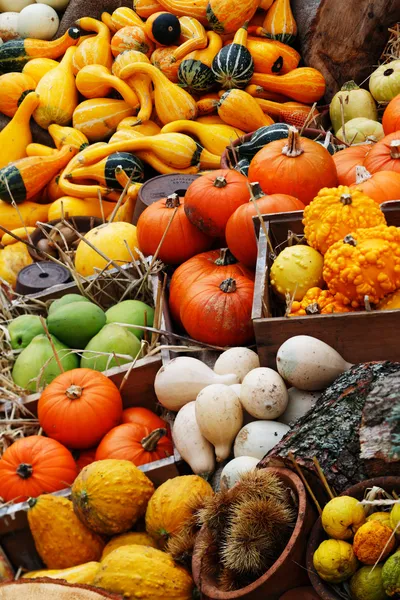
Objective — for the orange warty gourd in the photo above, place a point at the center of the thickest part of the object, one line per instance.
(93, 50)
(135, 442)
(35, 465)
(240, 234)
(164, 60)
(347, 160)
(318, 302)
(381, 186)
(304, 84)
(79, 407)
(391, 116)
(239, 109)
(336, 212)
(131, 38)
(211, 199)
(295, 166)
(217, 311)
(385, 155)
(366, 263)
(13, 89)
(220, 262)
(182, 241)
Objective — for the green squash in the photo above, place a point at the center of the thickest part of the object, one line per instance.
(391, 576)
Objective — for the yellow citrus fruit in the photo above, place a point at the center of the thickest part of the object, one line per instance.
(381, 517)
(367, 584)
(335, 561)
(370, 542)
(342, 516)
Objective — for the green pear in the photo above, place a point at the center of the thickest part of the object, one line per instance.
(112, 339)
(36, 365)
(67, 299)
(132, 312)
(23, 329)
(75, 324)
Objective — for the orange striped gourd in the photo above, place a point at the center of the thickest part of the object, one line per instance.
(98, 118)
(164, 60)
(146, 8)
(279, 23)
(131, 38)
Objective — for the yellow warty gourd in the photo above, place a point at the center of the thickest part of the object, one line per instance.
(98, 118)
(16, 136)
(214, 138)
(96, 81)
(93, 50)
(58, 94)
(85, 573)
(139, 83)
(133, 538)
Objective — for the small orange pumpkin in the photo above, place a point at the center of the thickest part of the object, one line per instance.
(347, 160)
(381, 186)
(385, 155)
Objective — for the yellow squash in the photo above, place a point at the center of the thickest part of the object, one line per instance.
(85, 573)
(13, 258)
(279, 23)
(98, 118)
(38, 67)
(58, 94)
(214, 138)
(16, 136)
(93, 50)
(239, 109)
(139, 83)
(96, 81)
(30, 213)
(77, 207)
(67, 136)
(193, 37)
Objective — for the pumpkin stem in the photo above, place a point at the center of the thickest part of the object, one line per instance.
(150, 442)
(349, 85)
(225, 258)
(313, 309)
(345, 199)
(362, 175)
(256, 191)
(395, 149)
(220, 182)
(74, 392)
(348, 239)
(388, 72)
(228, 286)
(293, 147)
(172, 201)
(32, 502)
(24, 470)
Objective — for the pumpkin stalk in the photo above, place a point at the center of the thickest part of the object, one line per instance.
(220, 182)
(349, 85)
(225, 258)
(172, 201)
(395, 149)
(362, 175)
(74, 392)
(24, 470)
(345, 199)
(313, 309)
(348, 239)
(228, 286)
(256, 190)
(150, 442)
(293, 147)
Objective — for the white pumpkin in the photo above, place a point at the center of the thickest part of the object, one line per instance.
(264, 394)
(384, 83)
(299, 404)
(360, 131)
(259, 437)
(190, 443)
(14, 5)
(56, 4)
(232, 471)
(9, 26)
(237, 360)
(38, 21)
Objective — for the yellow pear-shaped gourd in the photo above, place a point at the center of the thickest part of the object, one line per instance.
(68, 206)
(38, 67)
(16, 136)
(58, 94)
(139, 83)
(125, 17)
(96, 81)
(172, 103)
(68, 136)
(214, 138)
(239, 109)
(93, 50)
(147, 127)
(98, 118)
(279, 23)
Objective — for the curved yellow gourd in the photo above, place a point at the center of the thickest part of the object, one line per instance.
(258, 92)
(84, 573)
(29, 212)
(125, 17)
(23, 233)
(193, 37)
(68, 135)
(96, 81)
(93, 50)
(146, 8)
(39, 150)
(147, 127)
(123, 135)
(214, 138)
(207, 55)
(98, 118)
(107, 20)
(196, 9)
(210, 120)
(16, 136)
(171, 102)
(77, 207)
(38, 67)
(139, 83)
(58, 94)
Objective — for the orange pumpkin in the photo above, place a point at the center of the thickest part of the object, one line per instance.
(164, 60)
(135, 442)
(217, 311)
(381, 186)
(142, 416)
(131, 38)
(182, 240)
(347, 160)
(35, 465)
(85, 458)
(295, 166)
(79, 407)
(391, 116)
(385, 155)
(211, 199)
(240, 234)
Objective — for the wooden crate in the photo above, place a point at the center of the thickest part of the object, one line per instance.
(357, 336)
(15, 537)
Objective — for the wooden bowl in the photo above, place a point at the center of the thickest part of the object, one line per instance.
(318, 535)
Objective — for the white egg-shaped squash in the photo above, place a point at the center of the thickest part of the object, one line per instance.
(235, 468)
(299, 404)
(263, 394)
(237, 360)
(236, 387)
(9, 26)
(258, 438)
(38, 21)
(56, 4)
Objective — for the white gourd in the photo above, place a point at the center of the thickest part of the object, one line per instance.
(309, 364)
(219, 415)
(258, 438)
(236, 387)
(232, 472)
(179, 382)
(38, 21)
(190, 443)
(299, 404)
(264, 394)
(9, 26)
(237, 360)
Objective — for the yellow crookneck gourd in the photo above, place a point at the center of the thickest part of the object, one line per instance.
(139, 83)
(215, 138)
(98, 118)
(68, 136)
(58, 94)
(238, 109)
(39, 150)
(171, 102)
(125, 17)
(16, 136)
(93, 50)
(193, 37)
(107, 20)
(96, 81)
